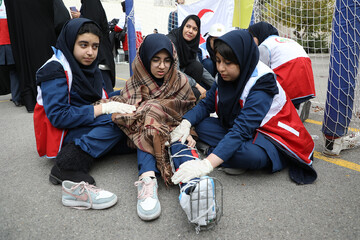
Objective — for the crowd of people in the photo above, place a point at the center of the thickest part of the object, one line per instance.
(241, 104)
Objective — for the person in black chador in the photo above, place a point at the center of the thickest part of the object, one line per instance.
(32, 32)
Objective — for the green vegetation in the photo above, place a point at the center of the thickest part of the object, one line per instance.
(310, 20)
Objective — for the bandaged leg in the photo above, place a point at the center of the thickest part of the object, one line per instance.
(198, 196)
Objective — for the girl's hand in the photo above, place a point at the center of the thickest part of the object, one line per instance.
(190, 141)
(192, 169)
(201, 89)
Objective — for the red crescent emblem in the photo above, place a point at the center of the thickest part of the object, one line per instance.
(200, 15)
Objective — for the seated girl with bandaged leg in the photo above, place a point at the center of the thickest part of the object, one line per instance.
(161, 95)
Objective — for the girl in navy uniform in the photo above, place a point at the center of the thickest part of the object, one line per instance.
(68, 125)
(290, 63)
(257, 125)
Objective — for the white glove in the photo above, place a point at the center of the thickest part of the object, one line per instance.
(192, 169)
(181, 132)
(117, 107)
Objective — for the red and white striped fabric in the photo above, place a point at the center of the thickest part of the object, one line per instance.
(282, 123)
(4, 30)
(292, 66)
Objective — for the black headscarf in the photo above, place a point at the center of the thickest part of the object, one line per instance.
(211, 53)
(87, 80)
(247, 54)
(262, 30)
(93, 10)
(209, 49)
(186, 50)
(151, 45)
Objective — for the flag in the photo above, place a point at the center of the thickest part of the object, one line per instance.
(209, 12)
(242, 13)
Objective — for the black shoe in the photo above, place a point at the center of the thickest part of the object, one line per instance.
(202, 147)
(57, 176)
(18, 104)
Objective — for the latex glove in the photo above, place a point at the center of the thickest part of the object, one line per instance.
(192, 169)
(117, 107)
(181, 132)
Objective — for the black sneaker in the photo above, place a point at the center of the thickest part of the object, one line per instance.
(58, 175)
(18, 104)
(202, 147)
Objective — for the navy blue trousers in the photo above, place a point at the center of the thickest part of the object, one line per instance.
(15, 86)
(100, 140)
(247, 156)
(147, 162)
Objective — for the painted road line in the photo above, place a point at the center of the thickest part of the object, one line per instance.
(338, 161)
(320, 123)
(313, 121)
(123, 79)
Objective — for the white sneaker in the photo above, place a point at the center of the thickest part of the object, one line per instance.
(85, 196)
(197, 199)
(334, 147)
(148, 205)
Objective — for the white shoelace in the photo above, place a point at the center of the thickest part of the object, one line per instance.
(87, 188)
(147, 189)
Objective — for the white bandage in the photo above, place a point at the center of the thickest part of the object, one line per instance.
(117, 107)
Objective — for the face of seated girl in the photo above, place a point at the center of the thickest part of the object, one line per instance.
(86, 48)
(228, 70)
(160, 64)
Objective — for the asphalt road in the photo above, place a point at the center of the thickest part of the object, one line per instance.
(257, 204)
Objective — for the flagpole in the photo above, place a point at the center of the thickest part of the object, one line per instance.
(129, 6)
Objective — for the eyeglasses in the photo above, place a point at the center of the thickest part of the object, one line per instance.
(156, 62)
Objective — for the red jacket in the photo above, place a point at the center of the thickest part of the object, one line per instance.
(4, 29)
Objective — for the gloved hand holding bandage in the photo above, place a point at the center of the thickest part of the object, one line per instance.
(117, 107)
(192, 169)
(181, 132)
